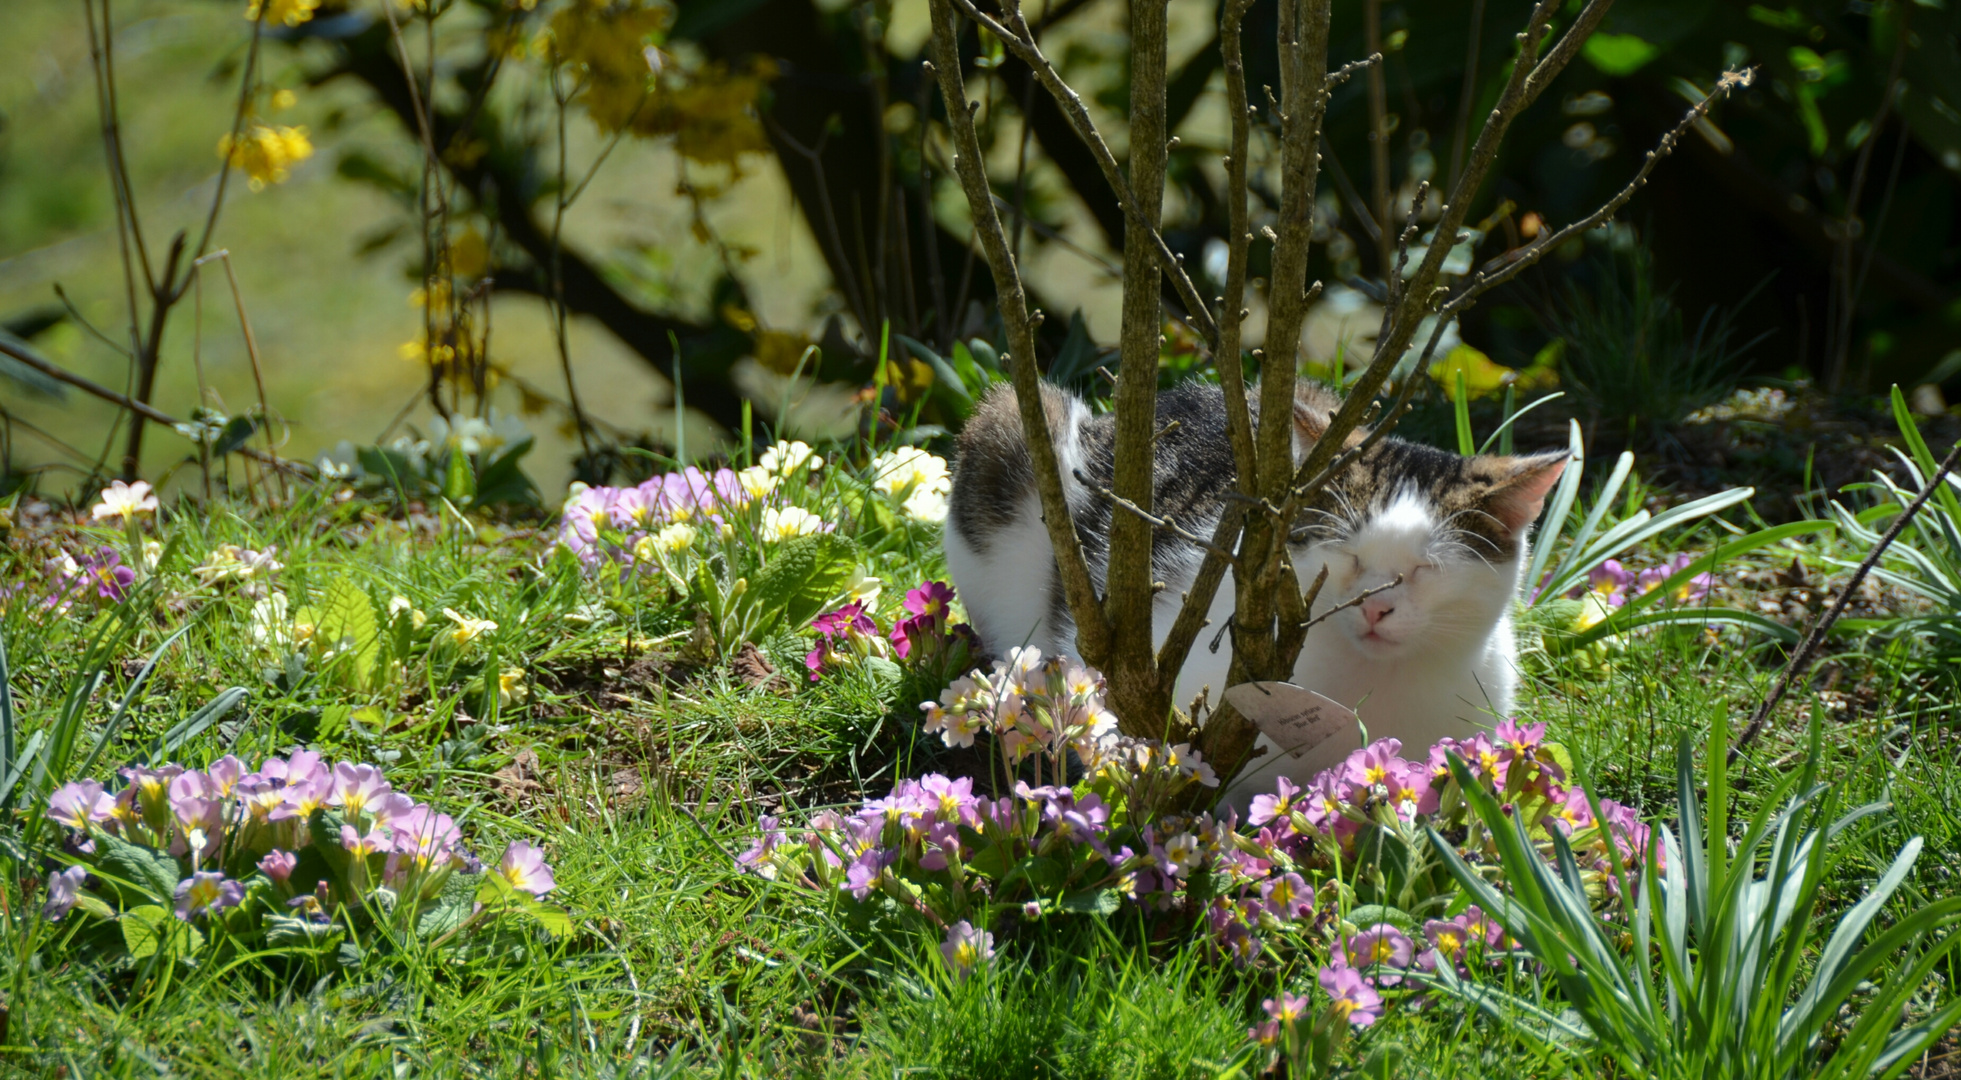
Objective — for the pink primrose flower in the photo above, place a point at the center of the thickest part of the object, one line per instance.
(1353, 999)
(525, 868)
(205, 892)
(966, 948)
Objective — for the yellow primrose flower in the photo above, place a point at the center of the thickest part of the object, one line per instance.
(399, 604)
(787, 523)
(125, 501)
(862, 587)
(675, 538)
(511, 688)
(467, 628)
(918, 479)
(757, 480)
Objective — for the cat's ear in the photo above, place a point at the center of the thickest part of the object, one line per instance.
(1314, 409)
(1311, 416)
(1517, 500)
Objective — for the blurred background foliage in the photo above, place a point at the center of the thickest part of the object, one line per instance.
(742, 180)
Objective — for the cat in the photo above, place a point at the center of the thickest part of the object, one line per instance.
(1431, 657)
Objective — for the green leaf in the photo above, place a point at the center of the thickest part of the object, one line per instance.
(801, 577)
(556, 920)
(238, 431)
(1104, 902)
(501, 481)
(1043, 875)
(288, 932)
(459, 482)
(151, 874)
(1370, 914)
(346, 616)
(153, 928)
(1618, 55)
(453, 905)
(444, 916)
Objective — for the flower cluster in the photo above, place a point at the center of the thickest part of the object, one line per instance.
(845, 638)
(248, 569)
(924, 635)
(295, 839)
(1117, 835)
(1614, 584)
(918, 481)
(102, 575)
(665, 515)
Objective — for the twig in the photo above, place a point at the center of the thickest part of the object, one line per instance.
(1801, 660)
(1307, 488)
(140, 408)
(1379, 179)
(1313, 592)
(1467, 94)
(1168, 524)
(1392, 282)
(1354, 601)
(1347, 71)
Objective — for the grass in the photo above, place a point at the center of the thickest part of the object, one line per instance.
(642, 763)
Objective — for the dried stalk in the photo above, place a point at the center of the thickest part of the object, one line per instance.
(1092, 630)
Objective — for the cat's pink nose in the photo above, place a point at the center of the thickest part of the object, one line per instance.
(1375, 609)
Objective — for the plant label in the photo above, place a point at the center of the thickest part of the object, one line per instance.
(1299, 721)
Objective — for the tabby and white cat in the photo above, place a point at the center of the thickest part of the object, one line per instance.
(1429, 658)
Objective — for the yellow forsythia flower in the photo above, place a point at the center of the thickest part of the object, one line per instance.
(290, 12)
(266, 153)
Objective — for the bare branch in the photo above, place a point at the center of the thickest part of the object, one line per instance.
(1513, 262)
(1565, 50)
(1020, 40)
(144, 409)
(1197, 601)
(1407, 313)
(1092, 628)
(1137, 696)
(1347, 71)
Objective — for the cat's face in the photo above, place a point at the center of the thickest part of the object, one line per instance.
(1440, 558)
